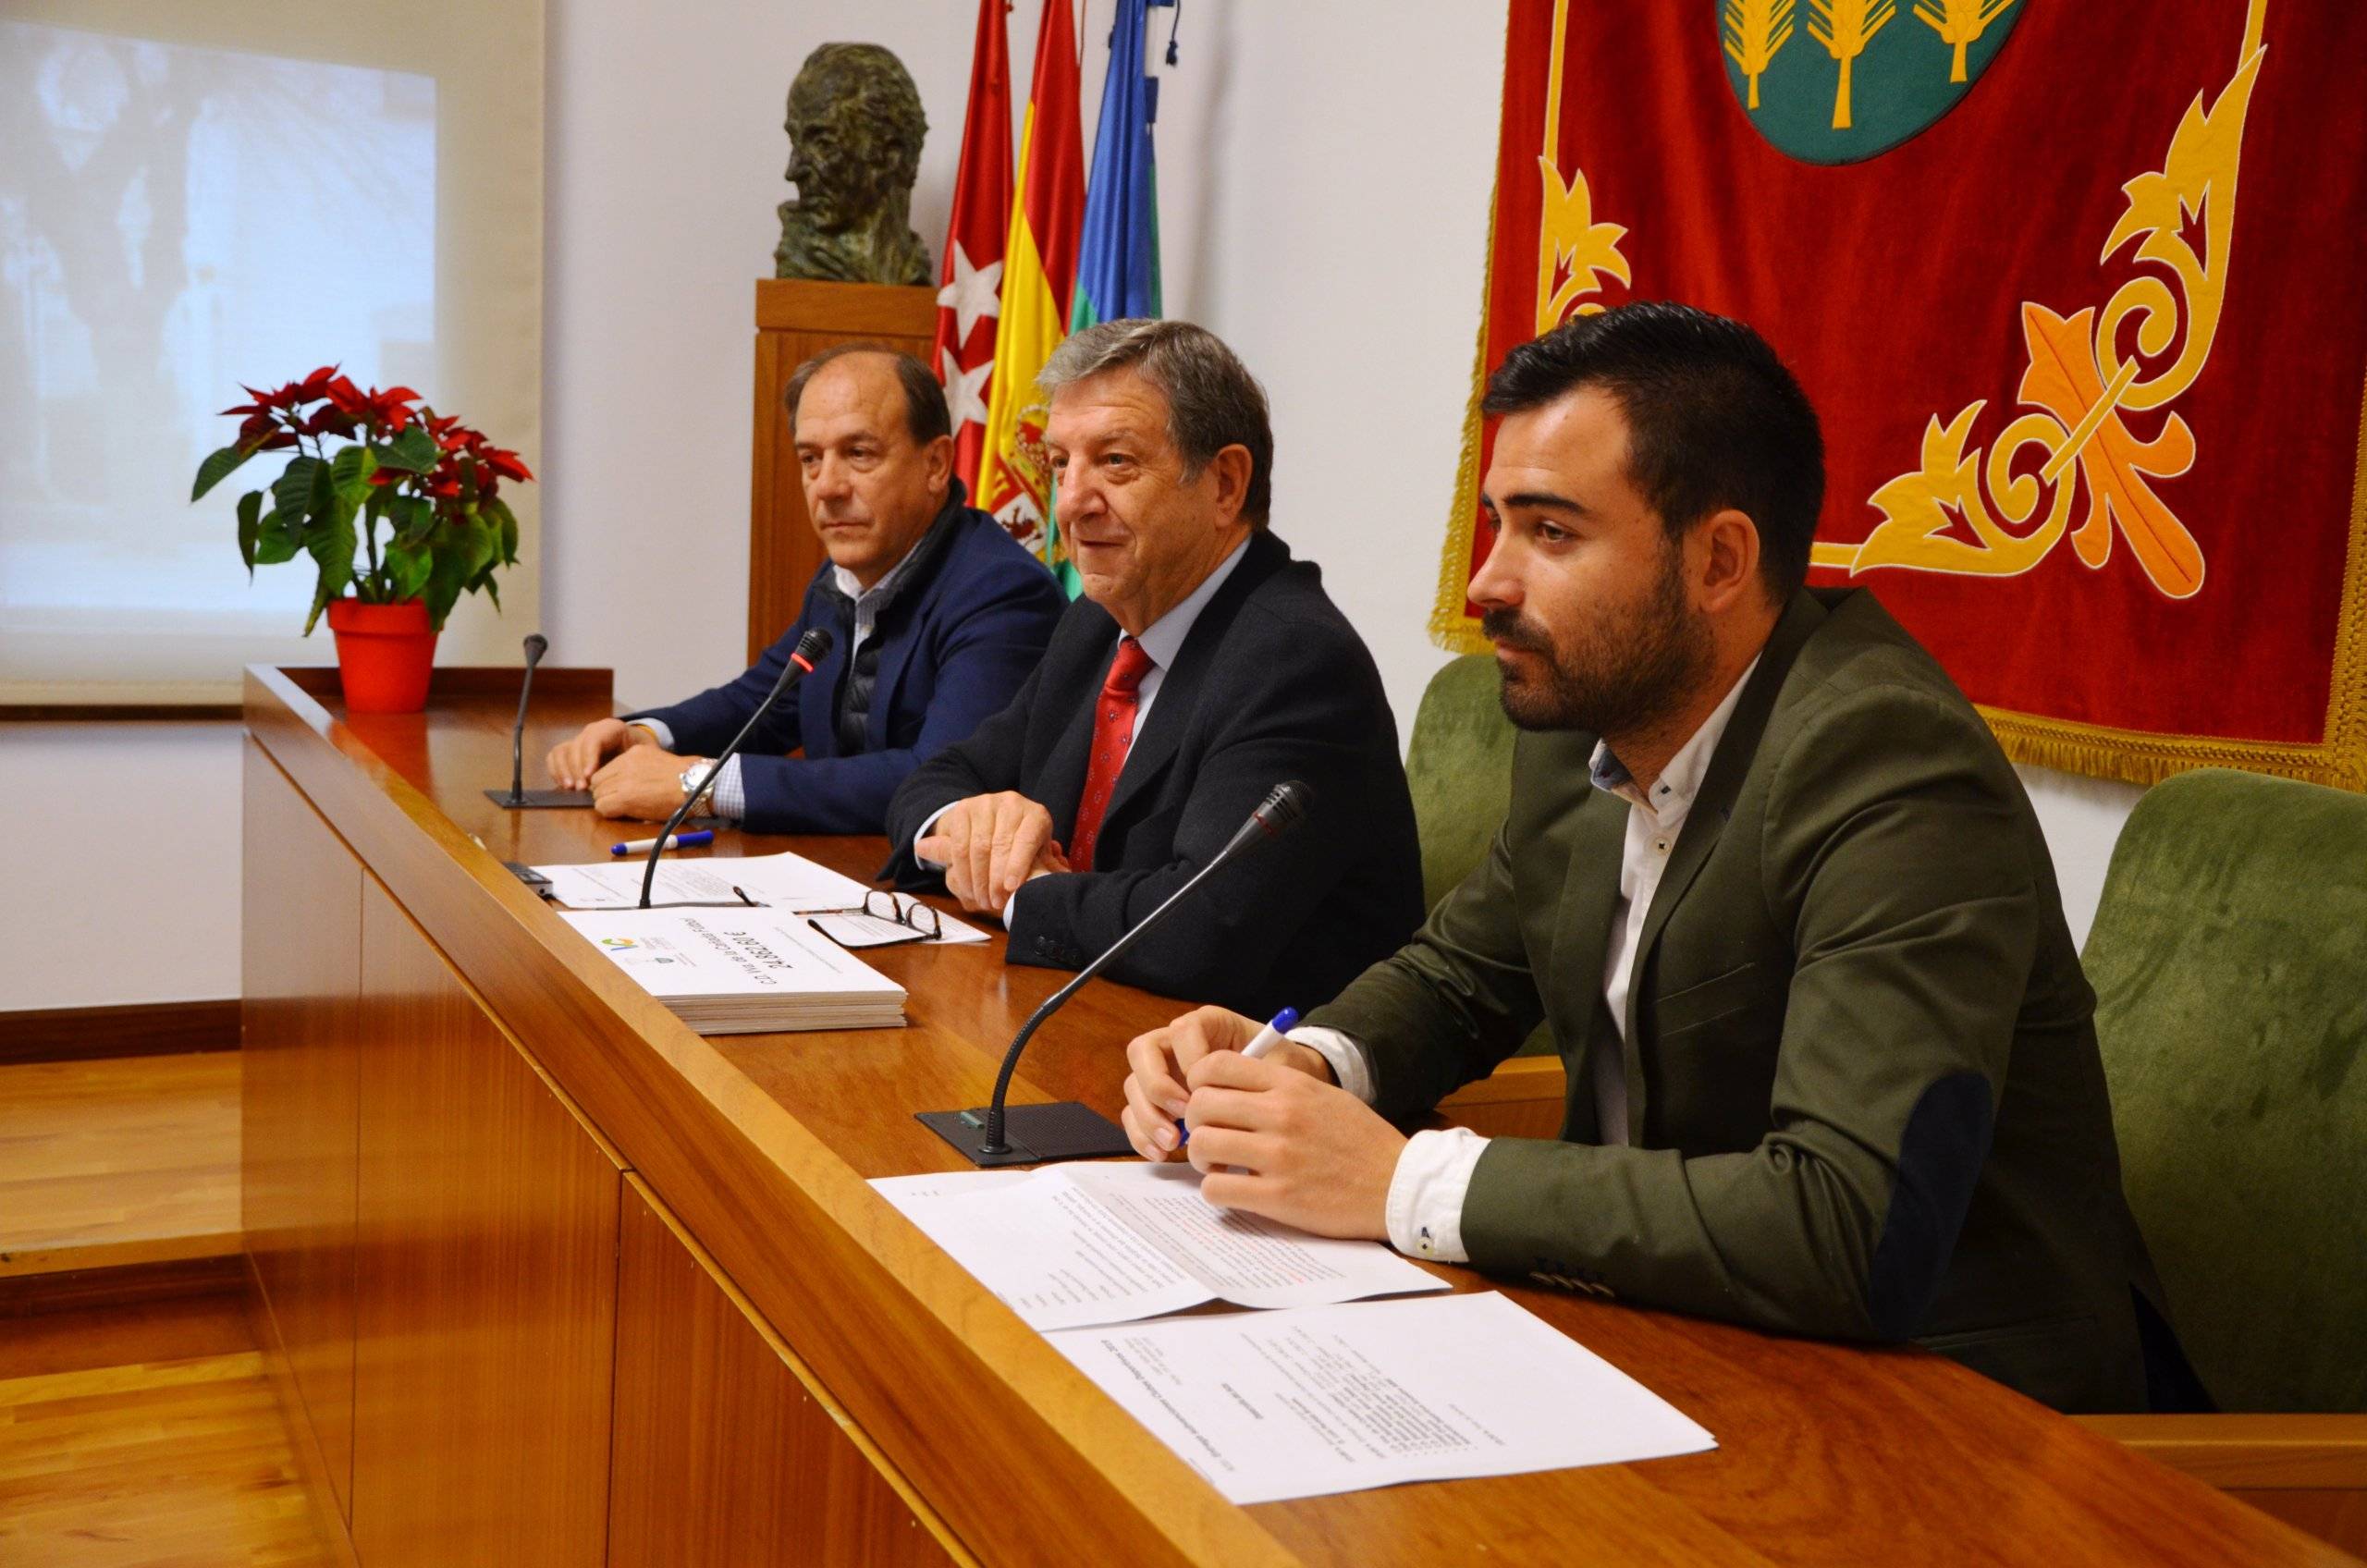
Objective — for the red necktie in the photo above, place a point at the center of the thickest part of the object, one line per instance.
(1113, 732)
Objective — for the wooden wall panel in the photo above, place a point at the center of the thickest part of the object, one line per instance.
(795, 320)
(301, 942)
(724, 1456)
(486, 1283)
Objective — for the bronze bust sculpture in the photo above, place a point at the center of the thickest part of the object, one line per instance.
(854, 130)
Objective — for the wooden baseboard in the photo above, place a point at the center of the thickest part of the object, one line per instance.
(119, 713)
(80, 1289)
(88, 1034)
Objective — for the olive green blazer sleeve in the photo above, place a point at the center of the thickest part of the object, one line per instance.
(1453, 1002)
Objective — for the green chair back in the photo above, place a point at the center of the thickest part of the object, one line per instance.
(2229, 957)
(1459, 764)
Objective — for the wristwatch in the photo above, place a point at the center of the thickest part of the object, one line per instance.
(698, 779)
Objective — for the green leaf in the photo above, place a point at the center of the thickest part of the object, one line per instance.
(406, 570)
(498, 510)
(332, 545)
(349, 472)
(293, 489)
(445, 580)
(415, 451)
(250, 526)
(479, 540)
(217, 467)
(277, 538)
(414, 518)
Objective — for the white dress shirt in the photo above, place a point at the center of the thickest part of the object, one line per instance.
(1433, 1174)
(1162, 640)
(731, 797)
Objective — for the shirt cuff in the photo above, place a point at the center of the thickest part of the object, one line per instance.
(660, 727)
(1349, 1067)
(730, 796)
(926, 828)
(1426, 1195)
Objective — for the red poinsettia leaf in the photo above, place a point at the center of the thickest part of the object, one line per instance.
(388, 476)
(277, 442)
(505, 463)
(316, 384)
(244, 409)
(397, 395)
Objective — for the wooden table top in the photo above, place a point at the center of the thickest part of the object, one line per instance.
(1827, 1453)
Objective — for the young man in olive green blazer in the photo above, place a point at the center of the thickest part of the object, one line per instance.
(1780, 897)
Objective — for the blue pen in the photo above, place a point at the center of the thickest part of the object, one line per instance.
(689, 841)
(1266, 1040)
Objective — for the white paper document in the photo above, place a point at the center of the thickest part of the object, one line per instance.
(782, 881)
(1081, 1244)
(1332, 1398)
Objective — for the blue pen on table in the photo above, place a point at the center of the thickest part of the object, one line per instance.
(689, 841)
(1264, 1041)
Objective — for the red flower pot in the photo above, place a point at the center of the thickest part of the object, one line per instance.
(384, 654)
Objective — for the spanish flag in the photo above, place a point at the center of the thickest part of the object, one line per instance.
(1038, 283)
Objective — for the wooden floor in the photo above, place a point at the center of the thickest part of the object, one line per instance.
(145, 1434)
(132, 1160)
(133, 1431)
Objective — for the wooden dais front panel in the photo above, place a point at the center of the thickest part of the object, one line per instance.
(726, 1455)
(302, 986)
(485, 1279)
(796, 320)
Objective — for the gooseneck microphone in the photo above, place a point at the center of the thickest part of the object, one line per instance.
(1069, 1130)
(536, 646)
(518, 797)
(801, 659)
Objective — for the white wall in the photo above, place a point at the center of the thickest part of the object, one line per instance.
(1323, 174)
(127, 891)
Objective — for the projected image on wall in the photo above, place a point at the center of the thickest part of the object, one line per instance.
(174, 222)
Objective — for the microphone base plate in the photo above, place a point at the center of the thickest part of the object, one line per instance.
(540, 800)
(1038, 1135)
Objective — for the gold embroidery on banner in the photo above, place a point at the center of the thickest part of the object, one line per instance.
(1573, 250)
(1960, 24)
(2080, 385)
(1755, 31)
(1844, 28)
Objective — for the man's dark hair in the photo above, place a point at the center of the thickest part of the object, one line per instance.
(1713, 420)
(924, 411)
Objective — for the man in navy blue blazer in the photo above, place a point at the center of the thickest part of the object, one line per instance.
(936, 616)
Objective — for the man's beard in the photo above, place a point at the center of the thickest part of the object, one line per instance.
(1615, 673)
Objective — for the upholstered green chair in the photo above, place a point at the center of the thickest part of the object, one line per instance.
(1459, 763)
(2229, 957)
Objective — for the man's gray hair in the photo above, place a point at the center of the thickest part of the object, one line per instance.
(1212, 401)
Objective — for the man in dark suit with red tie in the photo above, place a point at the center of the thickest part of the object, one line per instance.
(1202, 668)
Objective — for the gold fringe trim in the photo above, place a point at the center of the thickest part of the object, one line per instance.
(1450, 628)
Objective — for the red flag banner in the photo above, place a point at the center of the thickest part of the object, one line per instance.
(2075, 292)
(970, 299)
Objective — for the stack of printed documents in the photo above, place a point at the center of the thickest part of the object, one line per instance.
(743, 971)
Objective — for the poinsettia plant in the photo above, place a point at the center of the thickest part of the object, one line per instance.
(432, 483)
